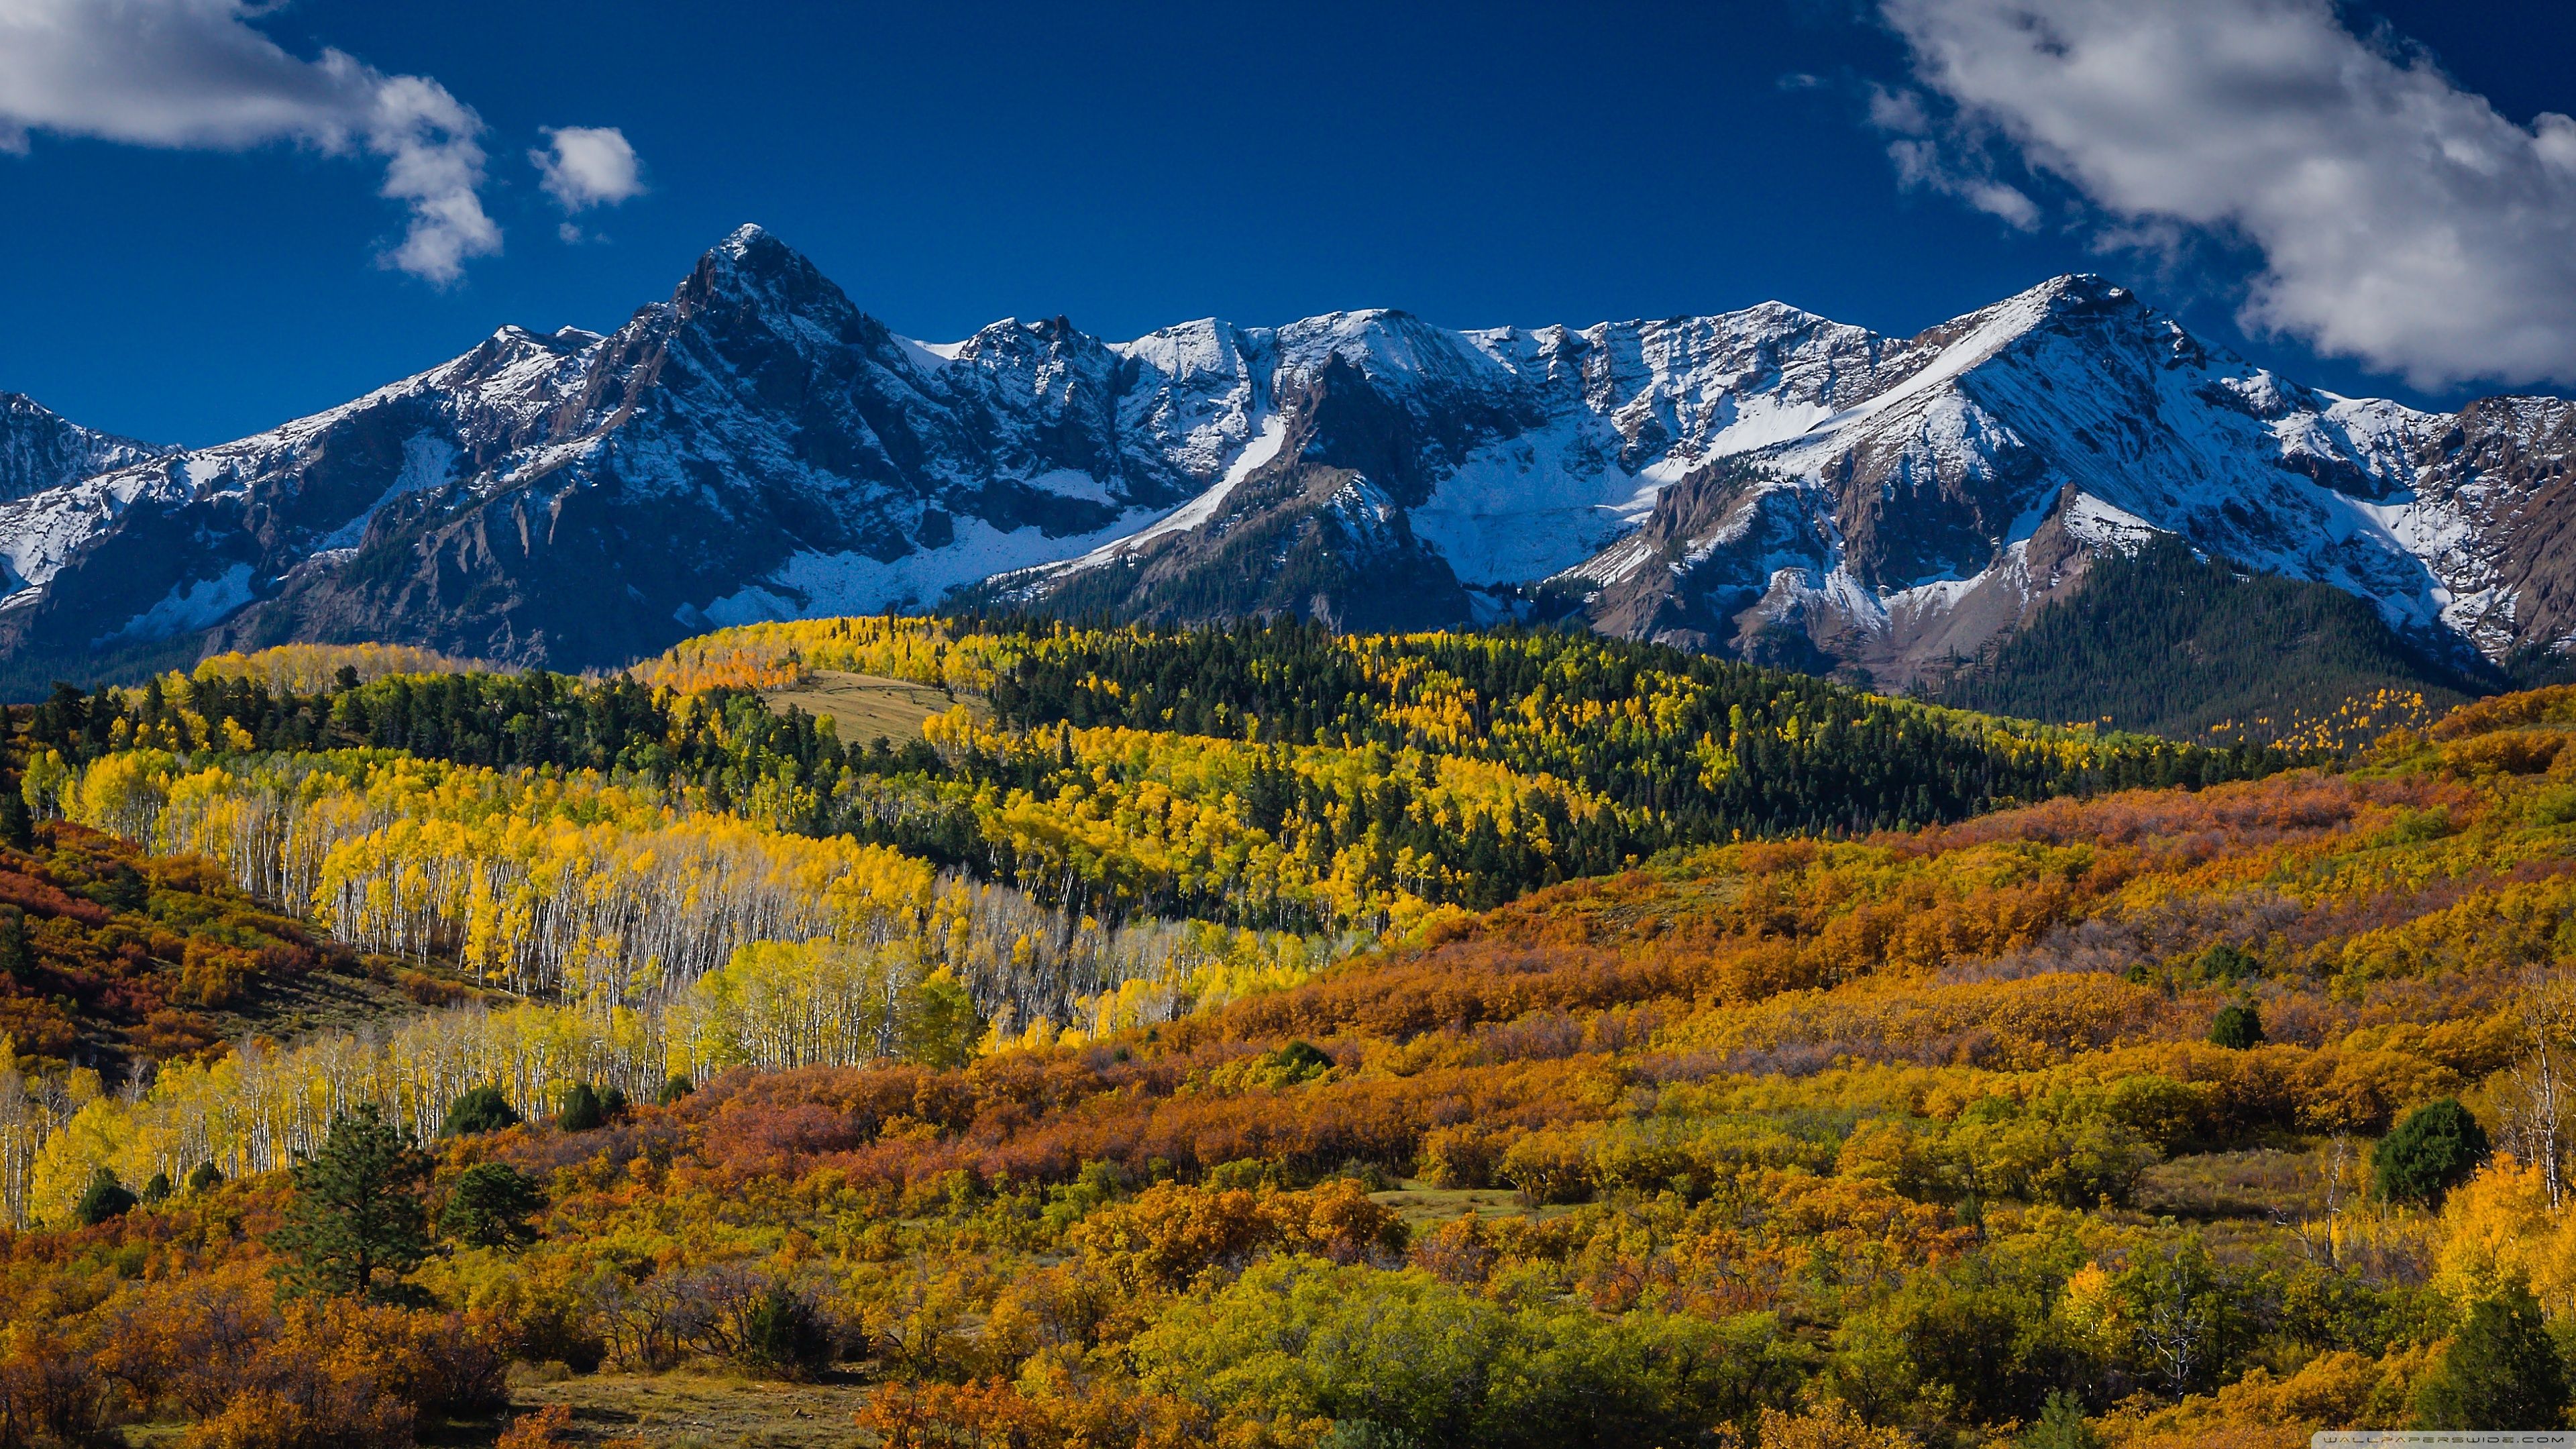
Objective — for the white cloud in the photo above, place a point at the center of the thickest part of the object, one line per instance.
(2400, 218)
(194, 74)
(1963, 171)
(586, 166)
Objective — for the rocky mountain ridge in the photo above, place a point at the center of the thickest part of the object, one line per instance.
(1763, 482)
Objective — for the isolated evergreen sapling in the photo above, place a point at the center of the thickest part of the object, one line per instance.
(356, 1223)
(2432, 1151)
(492, 1205)
(478, 1109)
(2061, 1425)
(103, 1199)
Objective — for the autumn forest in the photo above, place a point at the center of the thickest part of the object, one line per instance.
(991, 1033)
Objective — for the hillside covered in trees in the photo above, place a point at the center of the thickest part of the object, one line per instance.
(1283, 778)
(2173, 644)
(1258, 1058)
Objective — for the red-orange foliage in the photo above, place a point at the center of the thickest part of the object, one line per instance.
(1170, 1234)
(1097, 1415)
(546, 1428)
(135, 948)
(201, 1333)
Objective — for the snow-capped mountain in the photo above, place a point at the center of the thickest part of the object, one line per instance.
(1764, 482)
(1938, 504)
(40, 449)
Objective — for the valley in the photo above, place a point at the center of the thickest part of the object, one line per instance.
(1052, 727)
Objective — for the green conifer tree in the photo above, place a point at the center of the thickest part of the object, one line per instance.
(580, 1111)
(104, 1198)
(2501, 1371)
(2061, 1425)
(17, 953)
(2237, 1027)
(492, 1205)
(356, 1223)
(17, 826)
(478, 1109)
(2432, 1151)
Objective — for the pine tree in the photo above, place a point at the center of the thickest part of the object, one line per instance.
(103, 1199)
(17, 954)
(783, 1332)
(356, 1223)
(580, 1112)
(2432, 1151)
(2061, 1425)
(491, 1205)
(478, 1109)
(17, 827)
(2237, 1028)
(2501, 1371)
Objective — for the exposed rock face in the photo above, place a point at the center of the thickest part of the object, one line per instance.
(1957, 491)
(40, 450)
(1305, 529)
(1764, 483)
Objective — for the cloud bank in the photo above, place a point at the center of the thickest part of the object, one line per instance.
(2401, 219)
(193, 74)
(197, 75)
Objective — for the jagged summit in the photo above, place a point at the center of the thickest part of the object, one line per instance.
(1761, 481)
(40, 449)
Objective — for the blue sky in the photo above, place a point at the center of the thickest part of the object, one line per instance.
(1132, 166)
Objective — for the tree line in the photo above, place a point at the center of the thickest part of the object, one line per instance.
(1619, 751)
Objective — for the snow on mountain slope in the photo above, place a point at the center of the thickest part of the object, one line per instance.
(1629, 408)
(40, 449)
(1762, 481)
(2068, 405)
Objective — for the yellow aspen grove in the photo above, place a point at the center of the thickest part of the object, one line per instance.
(255, 1109)
(583, 888)
(572, 886)
(306, 668)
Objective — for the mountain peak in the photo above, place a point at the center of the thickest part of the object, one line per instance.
(2079, 292)
(2072, 301)
(751, 270)
(760, 446)
(2091, 285)
(1775, 311)
(40, 448)
(751, 250)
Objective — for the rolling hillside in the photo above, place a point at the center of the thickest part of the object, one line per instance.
(2073, 1110)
